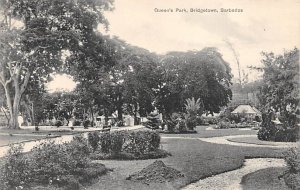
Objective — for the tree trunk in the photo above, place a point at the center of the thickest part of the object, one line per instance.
(119, 108)
(13, 108)
(120, 112)
(13, 122)
(106, 116)
(136, 122)
(92, 115)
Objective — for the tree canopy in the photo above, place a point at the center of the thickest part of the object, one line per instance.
(280, 88)
(199, 74)
(34, 47)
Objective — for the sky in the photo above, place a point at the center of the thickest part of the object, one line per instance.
(61, 82)
(263, 25)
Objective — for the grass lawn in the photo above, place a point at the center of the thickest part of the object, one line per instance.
(194, 158)
(202, 133)
(264, 179)
(255, 140)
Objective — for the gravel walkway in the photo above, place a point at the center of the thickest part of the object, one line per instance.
(231, 180)
(224, 140)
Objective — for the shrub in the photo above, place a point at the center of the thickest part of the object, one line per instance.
(171, 125)
(15, 171)
(135, 143)
(86, 123)
(153, 121)
(142, 142)
(154, 141)
(257, 118)
(58, 123)
(270, 132)
(224, 125)
(47, 163)
(191, 122)
(120, 124)
(200, 121)
(117, 140)
(93, 139)
(292, 176)
(210, 120)
(105, 142)
(76, 123)
(181, 127)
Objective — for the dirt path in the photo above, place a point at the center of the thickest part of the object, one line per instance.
(231, 180)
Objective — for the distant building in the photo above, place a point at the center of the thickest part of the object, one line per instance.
(249, 111)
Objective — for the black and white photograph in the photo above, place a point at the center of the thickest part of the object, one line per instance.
(149, 95)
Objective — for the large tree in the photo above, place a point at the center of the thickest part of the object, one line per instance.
(34, 45)
(280, 89)
(199, 74)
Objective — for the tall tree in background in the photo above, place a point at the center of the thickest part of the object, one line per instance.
(281, 83)
(199, 74)
(237, 59)
(279, 93)
(34, 48)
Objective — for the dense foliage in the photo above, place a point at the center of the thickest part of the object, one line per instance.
(292, 176)
(199, 74)
(64, 165)
(126, 145)
(280, 93)
(33, 49)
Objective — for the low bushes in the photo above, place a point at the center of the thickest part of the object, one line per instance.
(292, 176)
(66, 166)
(86, 123)
(278, 133)
(153, 121)
(181, 123)
(58, 123)
(76, 123)
(127, 145)
(223, 124)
